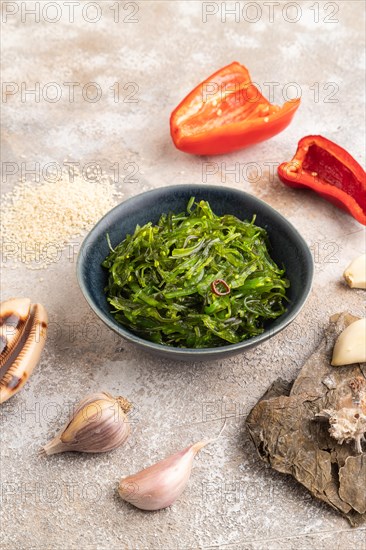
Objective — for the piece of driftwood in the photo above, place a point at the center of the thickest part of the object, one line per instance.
(290, 436)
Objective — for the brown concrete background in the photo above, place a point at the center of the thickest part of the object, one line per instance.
(232, 501)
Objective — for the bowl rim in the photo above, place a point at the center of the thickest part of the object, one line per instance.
(185, 352)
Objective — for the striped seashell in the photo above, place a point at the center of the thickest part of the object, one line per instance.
(23, 330)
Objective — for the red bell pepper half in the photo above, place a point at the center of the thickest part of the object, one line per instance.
(326, 168)
(227, 112)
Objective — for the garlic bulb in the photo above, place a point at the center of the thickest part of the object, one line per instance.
(98, 425)
(160, 485)
(355, 273)
(350, 346)
(23, 331)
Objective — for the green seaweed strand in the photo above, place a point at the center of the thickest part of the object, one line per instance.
(161, 278)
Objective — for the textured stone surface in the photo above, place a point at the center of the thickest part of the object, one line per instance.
(232, 501)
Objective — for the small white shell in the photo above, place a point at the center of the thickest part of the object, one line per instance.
(350, 346)
(23, 330)
(355, 274)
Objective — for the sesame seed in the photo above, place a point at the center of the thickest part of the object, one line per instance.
(39, 220)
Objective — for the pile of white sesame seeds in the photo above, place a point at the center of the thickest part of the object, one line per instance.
(39, 220)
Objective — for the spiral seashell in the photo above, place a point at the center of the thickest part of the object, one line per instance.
(23, 330)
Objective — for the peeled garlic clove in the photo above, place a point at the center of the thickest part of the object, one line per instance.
(355, 274)
(99, 424)
(350, 346)
(23, 331)
(160, 485)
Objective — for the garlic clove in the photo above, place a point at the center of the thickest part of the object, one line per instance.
(99, 424)
(23, 331)
(355, 273)
(350, 346)
(160, 485)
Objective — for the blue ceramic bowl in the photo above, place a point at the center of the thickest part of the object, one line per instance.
(288, 248)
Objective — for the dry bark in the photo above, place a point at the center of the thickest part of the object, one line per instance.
(289, 436)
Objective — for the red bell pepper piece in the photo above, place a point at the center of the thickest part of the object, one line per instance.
(227, 112)
(326, 168)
